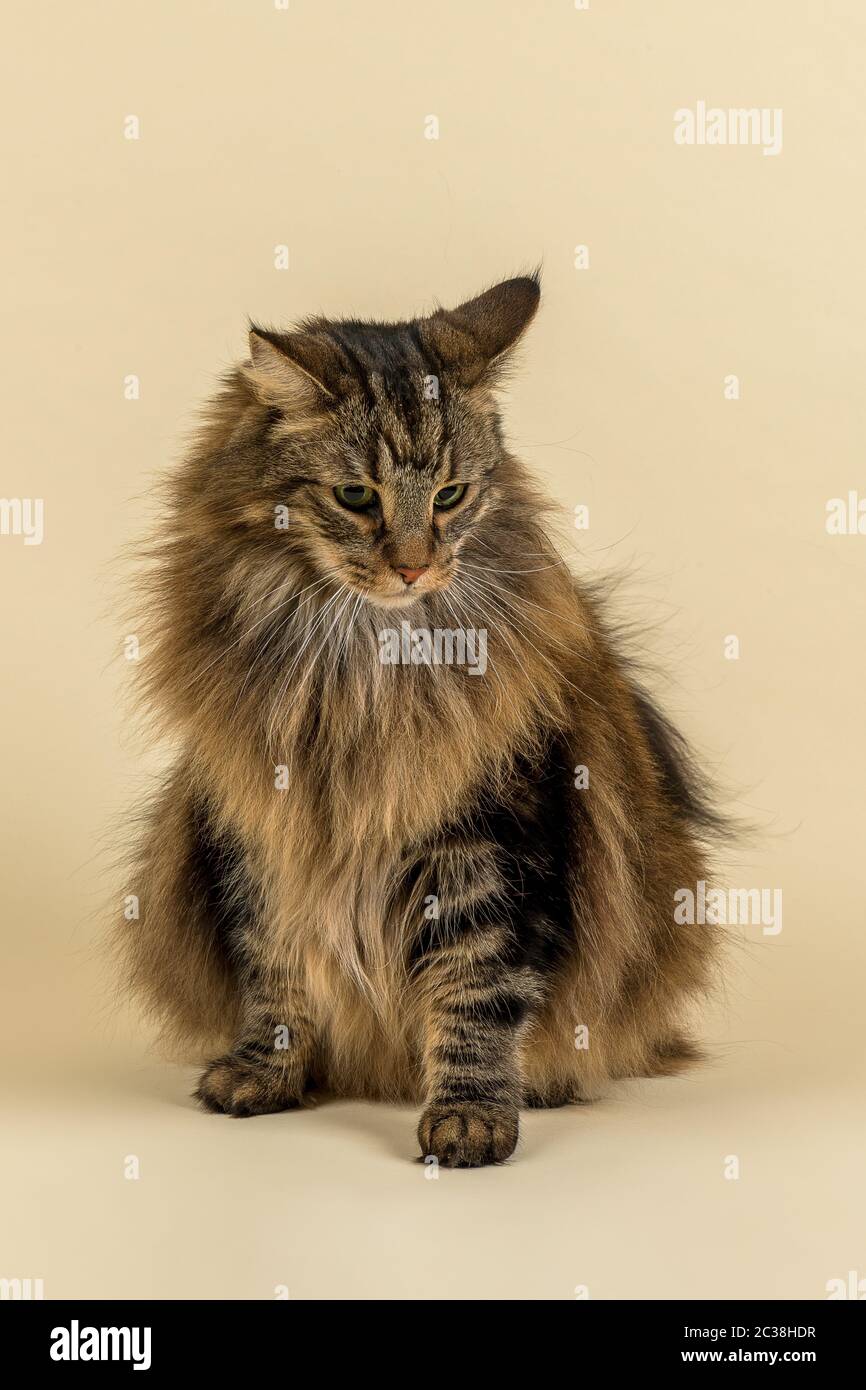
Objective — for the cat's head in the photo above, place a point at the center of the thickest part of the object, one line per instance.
(384, 439)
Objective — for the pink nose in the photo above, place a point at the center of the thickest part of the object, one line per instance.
(409, 575)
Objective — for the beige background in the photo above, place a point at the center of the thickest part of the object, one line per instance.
(306, 128)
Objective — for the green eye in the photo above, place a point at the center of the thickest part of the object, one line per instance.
(355, 496)
(448, 496)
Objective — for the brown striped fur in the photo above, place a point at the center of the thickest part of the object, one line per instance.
(303, 913)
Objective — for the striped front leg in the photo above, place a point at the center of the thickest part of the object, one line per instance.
(477, 997)
(269, 1066)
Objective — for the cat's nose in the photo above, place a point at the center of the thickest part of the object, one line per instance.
(409, 575)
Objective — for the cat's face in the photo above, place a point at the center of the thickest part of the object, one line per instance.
(390, 440)
(394, 493)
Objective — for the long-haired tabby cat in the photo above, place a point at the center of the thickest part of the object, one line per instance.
(419, 879)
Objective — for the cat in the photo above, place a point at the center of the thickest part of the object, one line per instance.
(407, 880)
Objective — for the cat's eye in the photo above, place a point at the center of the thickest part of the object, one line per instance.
(448, 496)
(355, 496)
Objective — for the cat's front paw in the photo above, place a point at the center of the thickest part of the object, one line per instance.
(468, 1134)
(234, 1085)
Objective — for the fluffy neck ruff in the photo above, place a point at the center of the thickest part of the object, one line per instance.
(266, 667)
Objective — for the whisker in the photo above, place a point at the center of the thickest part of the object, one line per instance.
(344, 646)
(516, 555)
(464, 625)
(553, 667)
(280, 627)
(311, 664)
(225, 650)
(473, 598)
(310, 631)
(490, 569)
(507, 596)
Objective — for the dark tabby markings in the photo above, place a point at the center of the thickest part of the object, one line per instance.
(556, 902)
(269, 1067)
(478, 993)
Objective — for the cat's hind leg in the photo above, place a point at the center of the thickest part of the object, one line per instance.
(552, 1097)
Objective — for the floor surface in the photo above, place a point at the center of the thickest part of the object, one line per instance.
(632, 1197)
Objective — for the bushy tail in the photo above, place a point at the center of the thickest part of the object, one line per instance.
(682, 782)
(173, 954)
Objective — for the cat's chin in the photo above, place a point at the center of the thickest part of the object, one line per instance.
(397, 601)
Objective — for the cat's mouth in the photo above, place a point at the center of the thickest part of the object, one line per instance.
(392, 590)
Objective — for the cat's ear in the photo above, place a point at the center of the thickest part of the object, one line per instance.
(298, 372)
(474, 340)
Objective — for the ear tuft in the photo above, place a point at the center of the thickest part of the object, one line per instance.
(301, 371)
(473, 338)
